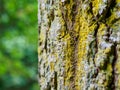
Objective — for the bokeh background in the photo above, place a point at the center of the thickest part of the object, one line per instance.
(18, 45)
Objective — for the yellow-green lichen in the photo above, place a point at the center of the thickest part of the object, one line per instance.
(95, 8)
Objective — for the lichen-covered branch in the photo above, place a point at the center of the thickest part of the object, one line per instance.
(79, 44)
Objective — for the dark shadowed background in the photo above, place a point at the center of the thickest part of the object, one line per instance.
(18, 45)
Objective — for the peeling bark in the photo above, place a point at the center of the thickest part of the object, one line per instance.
(79, 44)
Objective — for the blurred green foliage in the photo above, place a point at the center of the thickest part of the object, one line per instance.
(18, 45)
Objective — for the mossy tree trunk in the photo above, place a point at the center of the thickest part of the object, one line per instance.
(79, 44)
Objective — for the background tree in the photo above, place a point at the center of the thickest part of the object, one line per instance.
(79, 44)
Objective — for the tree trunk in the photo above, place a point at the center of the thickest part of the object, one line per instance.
(79, 44)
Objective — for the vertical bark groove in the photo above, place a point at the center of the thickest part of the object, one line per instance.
(112, 85)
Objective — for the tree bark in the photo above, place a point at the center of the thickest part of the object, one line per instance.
(79, 44)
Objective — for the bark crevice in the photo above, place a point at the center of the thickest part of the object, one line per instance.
(112, 84)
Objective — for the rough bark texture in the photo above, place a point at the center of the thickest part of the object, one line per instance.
(79, 44)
